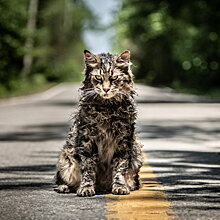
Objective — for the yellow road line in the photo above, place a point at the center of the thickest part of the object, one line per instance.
(150, 202)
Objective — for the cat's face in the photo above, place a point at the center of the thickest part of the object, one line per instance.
(109, 74)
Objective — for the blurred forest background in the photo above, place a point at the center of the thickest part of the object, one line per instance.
(173, 43)
(41, 43)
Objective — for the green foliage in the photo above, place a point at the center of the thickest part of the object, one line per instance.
(60, 44)
(12, 22)
(172, 42)
(23, 86)
(57, 48)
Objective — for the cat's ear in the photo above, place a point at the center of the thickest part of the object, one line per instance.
(124, 57)
(90, 58)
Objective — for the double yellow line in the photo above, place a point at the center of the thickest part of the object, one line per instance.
(150, 202)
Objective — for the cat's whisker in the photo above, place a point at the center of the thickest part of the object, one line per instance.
(88, 89)
(86, 92)
(123, 93)
(89, 93)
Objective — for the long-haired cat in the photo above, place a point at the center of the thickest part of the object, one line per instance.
(101, 151)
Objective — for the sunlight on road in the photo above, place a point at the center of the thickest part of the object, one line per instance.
(150, 202)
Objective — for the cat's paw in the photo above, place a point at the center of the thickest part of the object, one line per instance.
(132, 188)
(86, 191)
(62, 189)
(120, 190)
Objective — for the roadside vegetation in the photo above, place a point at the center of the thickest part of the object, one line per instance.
(174, 43)
(41, 43)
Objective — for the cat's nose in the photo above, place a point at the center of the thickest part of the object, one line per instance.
(106, 89)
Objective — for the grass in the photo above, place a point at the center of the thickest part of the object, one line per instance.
(22, 87)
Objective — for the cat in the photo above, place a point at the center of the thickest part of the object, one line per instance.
(101, 153)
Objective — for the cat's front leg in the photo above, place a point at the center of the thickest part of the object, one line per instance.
(88, 176)
(119, 185)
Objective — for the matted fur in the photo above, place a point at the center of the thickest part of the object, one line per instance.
(101, 151)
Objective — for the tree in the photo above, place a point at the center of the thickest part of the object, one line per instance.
(29, 43)
(173, 43)
(59, 40)
(12, 22)
(41, 40)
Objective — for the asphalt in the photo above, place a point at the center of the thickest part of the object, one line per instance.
(181, 137)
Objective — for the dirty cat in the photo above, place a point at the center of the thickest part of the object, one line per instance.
(101, 153)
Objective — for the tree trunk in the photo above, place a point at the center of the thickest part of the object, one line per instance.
(29, 43)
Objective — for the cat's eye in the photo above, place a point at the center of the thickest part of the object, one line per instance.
(98, 77)
(114, 77)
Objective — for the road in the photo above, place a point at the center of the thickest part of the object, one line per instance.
(181, 137)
